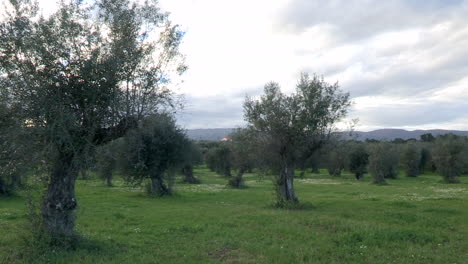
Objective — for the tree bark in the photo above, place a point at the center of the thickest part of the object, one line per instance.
(158, 186)
(59, 200)
(285, 187)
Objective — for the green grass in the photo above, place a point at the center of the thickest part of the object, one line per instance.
(411, 220)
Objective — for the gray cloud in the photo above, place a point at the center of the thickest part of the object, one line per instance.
(359, 19)
(413, 115)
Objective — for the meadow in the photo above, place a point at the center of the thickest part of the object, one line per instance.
(411, 220)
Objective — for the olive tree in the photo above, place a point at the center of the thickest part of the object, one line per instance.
(335, 156)
(219, 160)
(411, 160)
(153, 151)
(107, 159)
(243, 154)
(383, 161)
(450, 156)
(358, 160)
(289, 125)
(191, 156)
(83, 76)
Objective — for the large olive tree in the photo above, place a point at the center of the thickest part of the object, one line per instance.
(81, 77)
(289, 125)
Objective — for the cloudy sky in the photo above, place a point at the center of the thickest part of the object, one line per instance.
(405, 62)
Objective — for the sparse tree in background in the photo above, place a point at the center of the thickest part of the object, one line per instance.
(289, 125)
(428, 137)
(335, 157)
(153, 151)
(191, 156)
(107, 157)
(450, 156)
(243, 153)
(358, 160)
(383, 161)
(411, 160)
(219, 159)
(82, 77)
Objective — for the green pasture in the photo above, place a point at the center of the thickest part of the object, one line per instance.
(411, 220)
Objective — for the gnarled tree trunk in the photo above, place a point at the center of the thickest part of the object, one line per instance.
(158, 186)
(285, 187)
(59, 200)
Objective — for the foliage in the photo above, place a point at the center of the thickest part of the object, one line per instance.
(411, 160)
(358, 160)
(192, 156)
(336, 155)
(107, 158)
(428, 137)
(383, 161)
(287, 126)
(218, 159)
(243, 154)
(450, 156)
(152, 151)
(82, 77)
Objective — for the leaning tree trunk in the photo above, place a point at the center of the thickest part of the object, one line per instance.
(59, 200)
(158, 186)
(285, 187)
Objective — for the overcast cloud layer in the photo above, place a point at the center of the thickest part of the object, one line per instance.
(405, 62)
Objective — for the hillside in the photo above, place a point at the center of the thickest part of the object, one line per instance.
(216, 134)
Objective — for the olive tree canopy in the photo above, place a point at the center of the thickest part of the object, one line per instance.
(289, 125)
(81, 77)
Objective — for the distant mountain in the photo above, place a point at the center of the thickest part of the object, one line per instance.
(213, 134)
(216, 134)
(390, 134)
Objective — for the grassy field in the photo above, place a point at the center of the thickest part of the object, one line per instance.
(412, 220)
